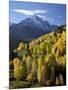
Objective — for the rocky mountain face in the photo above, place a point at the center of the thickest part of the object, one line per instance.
(29, 29)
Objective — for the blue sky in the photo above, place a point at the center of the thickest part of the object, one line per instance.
(53, 13)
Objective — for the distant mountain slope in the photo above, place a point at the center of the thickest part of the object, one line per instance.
(29, 29)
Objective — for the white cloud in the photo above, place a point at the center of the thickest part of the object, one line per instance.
(45, 18)
(33, 12)
(42, 17)
(40, 11)
(26, 12)
(30, 12)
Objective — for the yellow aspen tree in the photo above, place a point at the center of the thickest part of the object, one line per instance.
(29, 64)
(20, 71)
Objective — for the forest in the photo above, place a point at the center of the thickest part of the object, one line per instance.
(41, 62)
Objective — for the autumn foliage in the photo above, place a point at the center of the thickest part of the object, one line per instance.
(45, 62)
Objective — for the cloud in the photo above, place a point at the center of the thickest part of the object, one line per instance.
(45, 18)
(59, 16)
(33, 12)
(42, 17)
(30, 12)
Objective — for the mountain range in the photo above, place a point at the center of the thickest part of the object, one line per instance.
(29, 29)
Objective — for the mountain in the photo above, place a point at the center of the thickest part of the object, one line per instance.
(29, 29)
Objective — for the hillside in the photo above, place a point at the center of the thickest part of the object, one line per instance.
(42, 62)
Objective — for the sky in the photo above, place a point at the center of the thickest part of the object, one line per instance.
(53, 13)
